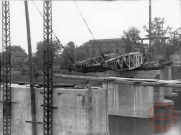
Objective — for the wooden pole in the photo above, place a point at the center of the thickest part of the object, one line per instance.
(180, 13)
(142, 47)
(33, 107)
(90, 109)
(149, 25)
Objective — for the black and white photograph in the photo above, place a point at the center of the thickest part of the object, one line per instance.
(90, 67)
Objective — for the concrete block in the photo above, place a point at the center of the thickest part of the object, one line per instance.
(144, 74)
(78, 112)
(77, 116)
(129, 100)
(165, 74)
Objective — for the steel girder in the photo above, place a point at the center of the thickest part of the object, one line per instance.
(6, 68)
(93, 63)
(48, 69)
(128, 61)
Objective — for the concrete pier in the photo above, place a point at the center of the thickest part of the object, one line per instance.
(130, 100)
(76, 114)
(166, 74)
(159, 93)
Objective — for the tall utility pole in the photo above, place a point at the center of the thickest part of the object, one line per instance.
(32, 90)
(6, 67)
(180, 24)
(48, 69)
(149, 25)
(180, 13)
(75, 54)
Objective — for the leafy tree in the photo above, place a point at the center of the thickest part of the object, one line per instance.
(19, 64)
(75, 53)
(131, 38)
(17, 48)
(158, 29)
(35, 65)
(175, 38)
(65, 58)
(133, 33)
(40, 53)
(56, 48)
(174, 42)
(81, 53)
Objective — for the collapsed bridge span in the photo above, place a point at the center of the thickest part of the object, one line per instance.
(125, 62)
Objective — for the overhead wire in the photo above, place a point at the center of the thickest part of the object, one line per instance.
(84, 20)
(38, 10)
(89, 30)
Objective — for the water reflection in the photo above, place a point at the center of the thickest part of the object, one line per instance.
(119, 125)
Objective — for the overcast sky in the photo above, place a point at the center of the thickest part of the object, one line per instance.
(105, 19)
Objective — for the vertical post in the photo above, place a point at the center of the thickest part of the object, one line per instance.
(89, 104)
(48, 69)
(32, 90)
(6, 67)
(142, 46)
(106, 85)
(0, 71)
(75, 55)
(180, 13)
(149, 25)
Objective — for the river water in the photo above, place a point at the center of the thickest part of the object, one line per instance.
(119, 125)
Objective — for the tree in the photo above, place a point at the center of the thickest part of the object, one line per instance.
(40, 53)
(18, 57)
(35, 66)
(175, 38)
(75, 53)
(65, 58)
(17, 48)
(81, 53)
(158, 29)
(174, 42)
(130, 38)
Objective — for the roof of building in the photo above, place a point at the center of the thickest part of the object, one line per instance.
(108, 40)
(103, 41)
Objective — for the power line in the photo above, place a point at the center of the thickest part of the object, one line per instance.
(53, 33)
(89, 30)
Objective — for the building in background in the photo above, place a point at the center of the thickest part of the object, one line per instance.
(115, 45)
(17, 57)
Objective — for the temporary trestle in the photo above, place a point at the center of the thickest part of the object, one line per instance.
(6, 68)
(48, 69)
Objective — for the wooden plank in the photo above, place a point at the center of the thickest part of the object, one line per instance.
(131, 81)
(89, 108)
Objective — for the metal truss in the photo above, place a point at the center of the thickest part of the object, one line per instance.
(82, 66)
(129, 61)
(6, 68)
(48, 69)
